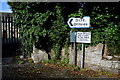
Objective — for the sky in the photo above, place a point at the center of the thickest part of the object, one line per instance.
(4, 7)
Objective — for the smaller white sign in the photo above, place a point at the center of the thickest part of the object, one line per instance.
(83, 37)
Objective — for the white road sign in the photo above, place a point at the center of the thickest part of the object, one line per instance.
(83, 37)
(79, 22)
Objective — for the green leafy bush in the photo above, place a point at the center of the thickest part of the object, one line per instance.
(47, 28)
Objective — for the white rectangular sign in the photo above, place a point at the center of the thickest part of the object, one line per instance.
(83, 37)
(79, 22)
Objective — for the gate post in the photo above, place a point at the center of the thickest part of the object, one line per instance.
(0, 47)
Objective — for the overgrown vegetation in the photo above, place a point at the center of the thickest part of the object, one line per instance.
(45, 24)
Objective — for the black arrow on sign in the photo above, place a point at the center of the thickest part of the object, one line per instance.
(70, 22)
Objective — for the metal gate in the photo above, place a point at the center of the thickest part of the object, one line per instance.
(10, 37)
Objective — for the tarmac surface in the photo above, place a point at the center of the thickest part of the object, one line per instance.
(15, 71)
(12, 70)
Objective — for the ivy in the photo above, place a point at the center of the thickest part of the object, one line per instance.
(47, 28)
(57, 31)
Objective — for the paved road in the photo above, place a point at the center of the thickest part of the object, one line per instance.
(34, 71)
(14, 71)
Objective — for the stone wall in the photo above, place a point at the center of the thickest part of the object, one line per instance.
(38, 55)
(94, 59)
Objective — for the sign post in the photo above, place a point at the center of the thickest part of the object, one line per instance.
(73, 39)
(82, 56)
(83, 37)
(74, 54)
(80, 37)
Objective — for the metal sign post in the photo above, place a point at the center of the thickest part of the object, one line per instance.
(74, 57)
(73, 39)
(82, 56)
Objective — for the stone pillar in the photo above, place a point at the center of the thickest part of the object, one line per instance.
(79, 57)
(38, 55)
(63, 54)
(71, 56)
